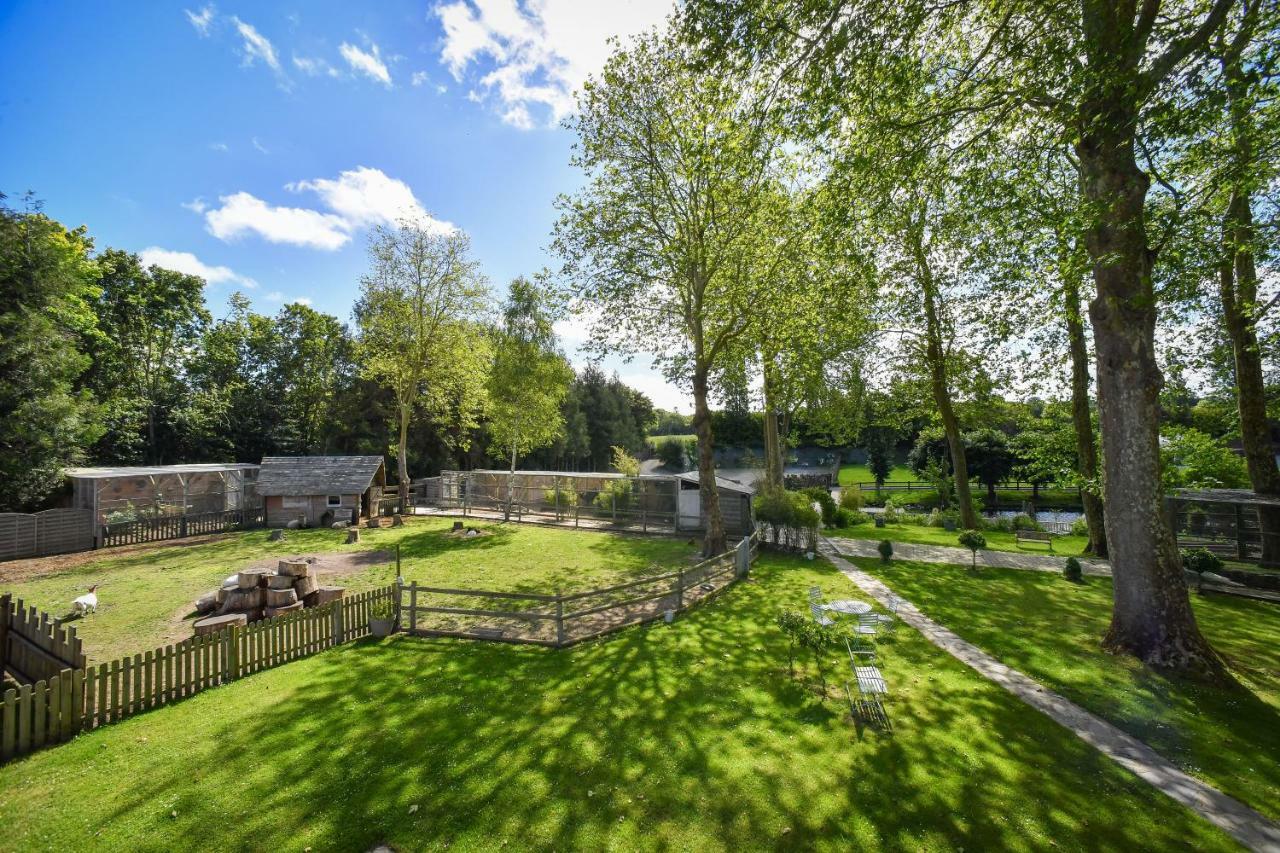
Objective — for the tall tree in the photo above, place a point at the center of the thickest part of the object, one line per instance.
(314, 363)
(1093, 66)
(417, 316)
(529, 378)
(47, 287)
(676, 163)
(152, 319)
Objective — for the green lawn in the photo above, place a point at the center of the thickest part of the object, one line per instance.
(859, 474)
(686, 438)
(682, 737)
(146, 596)
(1063, 546)
(1050, 629)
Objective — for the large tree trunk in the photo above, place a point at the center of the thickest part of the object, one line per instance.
(1238, 288)
(1082, 418)
(713, 541)
(402, 460)
(936, 357)
(1152, 617)
(511, 484)
(773, 464)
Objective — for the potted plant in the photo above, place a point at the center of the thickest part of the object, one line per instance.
(382, 618)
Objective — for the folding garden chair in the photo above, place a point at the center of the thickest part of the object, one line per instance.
(815, 597)
(820, 617)
(872, 690)
(859, 649)
(890, 620)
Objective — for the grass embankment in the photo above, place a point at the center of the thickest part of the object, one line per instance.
(146, 596)
(689, 736)
(1050, 629)
(1063, 546)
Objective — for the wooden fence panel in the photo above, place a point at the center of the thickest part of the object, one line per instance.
(33, 645)
(179, 526)
(53, 531)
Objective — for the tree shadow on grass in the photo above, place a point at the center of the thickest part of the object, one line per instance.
(1051, 630)
(687, 736)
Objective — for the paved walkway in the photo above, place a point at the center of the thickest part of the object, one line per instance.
(1240, 821)
(961, 556)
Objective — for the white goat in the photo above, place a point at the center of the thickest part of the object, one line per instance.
(87, 603)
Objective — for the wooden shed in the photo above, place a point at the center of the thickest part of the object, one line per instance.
(735, 505)
(319, 490)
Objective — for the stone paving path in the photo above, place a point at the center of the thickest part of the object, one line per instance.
(1246, 825)
(961, 556)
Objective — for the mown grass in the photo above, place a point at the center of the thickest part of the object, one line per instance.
(1050, 629)
(144, 596)
(690, 736)
(850, 474)
(1063, 546)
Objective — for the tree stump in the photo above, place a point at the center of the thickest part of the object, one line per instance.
(207, 602)
(273, 612)
(280, 582)
(458, 525)
(277, 535)
(324, 595)
(220, 596)
(397, 520)
(353, 535)
(252, 578)
(294, 568)
(305, 586)
(277, 598)
(214, 624)
(374, 523)
(243, 599)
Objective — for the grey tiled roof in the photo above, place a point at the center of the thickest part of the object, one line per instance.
(317, 475)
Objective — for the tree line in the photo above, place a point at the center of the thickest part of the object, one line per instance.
(106, 361)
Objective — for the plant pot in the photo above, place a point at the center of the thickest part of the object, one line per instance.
(381, 627)
(669, 616)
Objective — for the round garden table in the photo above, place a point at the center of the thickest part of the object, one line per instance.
(849, 606)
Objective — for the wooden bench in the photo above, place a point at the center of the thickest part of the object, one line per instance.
(1021, 536)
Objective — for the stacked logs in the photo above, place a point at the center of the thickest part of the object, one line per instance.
(255, 594)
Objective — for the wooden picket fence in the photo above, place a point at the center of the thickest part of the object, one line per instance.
(33, 645)
(53, 710)
(178, 526)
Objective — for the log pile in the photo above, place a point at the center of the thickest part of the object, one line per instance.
(255, 594)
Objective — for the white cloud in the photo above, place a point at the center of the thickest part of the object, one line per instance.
(185, 262)
(274, 296)
(201, 20)
(357, 198)
(259, 146)
(368, 63)
(256, 46)
(419, 77)
(314, 66)
(538, 56)
(196, 205)
(242, 213)
(218, 146)
(364, 196)
(301, 300)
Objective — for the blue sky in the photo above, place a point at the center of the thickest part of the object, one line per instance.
(257, 143)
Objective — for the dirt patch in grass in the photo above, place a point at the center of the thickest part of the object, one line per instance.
(332, 564)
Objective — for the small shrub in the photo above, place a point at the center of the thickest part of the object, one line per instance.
(560, 498)
(1000, 523)
(886, 550)
(1200, 560)
(791, 623)
(1072, 571)
(383, 609)
(851, 498)
(1080, 527)
(823, 498)
(974, 541)
(890, 513)
(850, 518)
(671, 453)
(1022, 521)
(940, 517)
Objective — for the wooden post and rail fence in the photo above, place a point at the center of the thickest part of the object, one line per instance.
(58, 695)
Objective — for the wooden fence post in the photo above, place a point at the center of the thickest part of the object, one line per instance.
(6, 607)
(232, 656)
(559, 619)
(337, 622)
(680, 588)
(413, 606)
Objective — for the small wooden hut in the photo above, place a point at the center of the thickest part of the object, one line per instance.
(316, 491)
